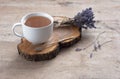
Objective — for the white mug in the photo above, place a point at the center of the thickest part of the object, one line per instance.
(33, 34)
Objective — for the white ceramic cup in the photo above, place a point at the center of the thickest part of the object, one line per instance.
(35, 35)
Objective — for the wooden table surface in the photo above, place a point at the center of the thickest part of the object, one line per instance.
(104, 63)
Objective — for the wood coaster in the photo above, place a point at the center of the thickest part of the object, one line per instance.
(62, 37)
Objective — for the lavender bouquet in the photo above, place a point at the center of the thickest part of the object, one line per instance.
(84, 19)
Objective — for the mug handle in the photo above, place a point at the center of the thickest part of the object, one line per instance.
(13, 29)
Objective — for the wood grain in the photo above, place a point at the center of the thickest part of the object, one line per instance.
(63, 36)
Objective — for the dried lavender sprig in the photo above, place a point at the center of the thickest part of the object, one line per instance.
(84, 19)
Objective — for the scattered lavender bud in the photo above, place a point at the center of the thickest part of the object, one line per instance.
(78, 49)
(91, 55)
(99, 46)
(95, 47)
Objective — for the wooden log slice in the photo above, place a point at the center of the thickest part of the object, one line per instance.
(62, 37)
(28, 51)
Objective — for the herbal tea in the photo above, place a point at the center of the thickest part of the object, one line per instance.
(37, 21)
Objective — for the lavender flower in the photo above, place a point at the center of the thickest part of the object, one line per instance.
(85, 19)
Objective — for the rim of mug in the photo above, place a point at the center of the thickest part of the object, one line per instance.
(25, 17)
